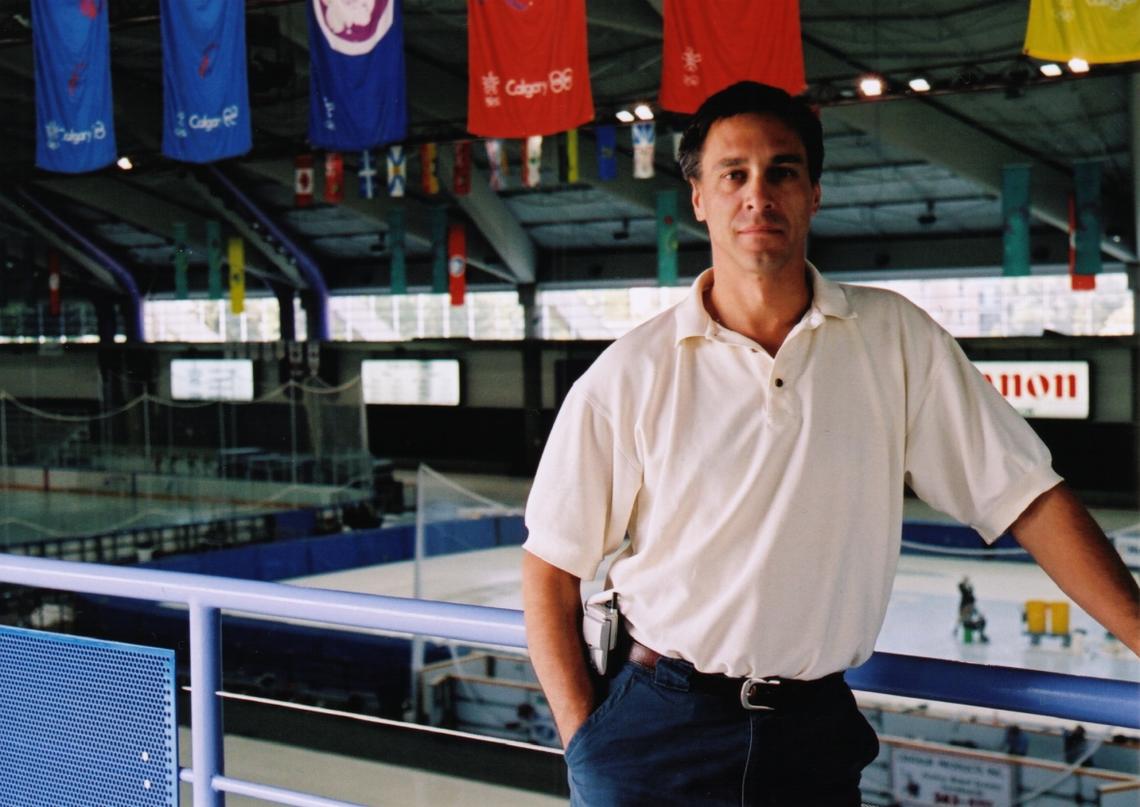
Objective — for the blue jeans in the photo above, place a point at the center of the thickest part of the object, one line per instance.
(654, 740)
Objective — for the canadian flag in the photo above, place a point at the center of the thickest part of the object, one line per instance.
(303, 180)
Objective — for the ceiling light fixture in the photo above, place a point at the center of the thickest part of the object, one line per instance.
(871, 86)
(1078, 65)
(919, 84)
(125, 163)
(643, 112)
(1051, 70)
(625, 116)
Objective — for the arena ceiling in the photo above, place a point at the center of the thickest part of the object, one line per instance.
(911, 181)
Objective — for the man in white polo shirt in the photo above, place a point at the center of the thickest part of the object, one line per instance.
(753, 442)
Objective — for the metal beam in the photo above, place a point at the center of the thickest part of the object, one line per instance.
(922, 127)
(1134, 271)
(97, 270)
(372, 210)
(495, 221)
(255, 238)
(125, 280)
(944, 139)
(1134, 114)
(632, 18)
(125, 201)
(287, 251)
(641, 193)
(417, 224)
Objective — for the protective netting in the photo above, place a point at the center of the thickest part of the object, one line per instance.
(167, 456)
(316, 432)
(451, 519)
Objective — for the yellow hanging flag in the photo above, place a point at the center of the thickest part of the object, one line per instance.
(1098, 31)
(572, 172)
(236, 249)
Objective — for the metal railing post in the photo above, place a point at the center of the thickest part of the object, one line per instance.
(205, 706)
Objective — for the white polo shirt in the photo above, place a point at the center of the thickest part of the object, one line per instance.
(763, 496)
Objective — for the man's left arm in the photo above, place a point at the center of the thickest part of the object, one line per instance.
(1070, 546)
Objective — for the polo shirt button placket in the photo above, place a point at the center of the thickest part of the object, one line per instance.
(784, 404)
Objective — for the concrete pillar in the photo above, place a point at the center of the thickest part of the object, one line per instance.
(1134, 269)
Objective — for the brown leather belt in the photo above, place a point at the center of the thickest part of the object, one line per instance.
(763, 694)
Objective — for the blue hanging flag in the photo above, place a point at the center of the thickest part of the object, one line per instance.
(205, 92)
(607, 151)
(358, 97)
(74, 114)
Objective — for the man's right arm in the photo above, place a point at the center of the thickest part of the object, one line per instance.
(552, 606)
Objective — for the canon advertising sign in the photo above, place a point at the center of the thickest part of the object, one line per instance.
(1042, 389)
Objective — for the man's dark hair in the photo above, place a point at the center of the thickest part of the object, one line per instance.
(752, 98)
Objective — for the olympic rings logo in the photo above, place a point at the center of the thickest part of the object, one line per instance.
(561, 80)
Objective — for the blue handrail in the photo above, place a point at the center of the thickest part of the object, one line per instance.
(1054, 694)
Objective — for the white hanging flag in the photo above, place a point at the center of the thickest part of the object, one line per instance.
(644, 143)
(532, 169)
(496, 164)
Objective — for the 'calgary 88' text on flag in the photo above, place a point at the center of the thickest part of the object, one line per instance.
(528, 68)
(205, 89)
(358, 93)
(75, 128)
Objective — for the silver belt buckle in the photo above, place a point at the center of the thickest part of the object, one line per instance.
(749, 687)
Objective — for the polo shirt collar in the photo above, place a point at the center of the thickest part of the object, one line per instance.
(828, 299)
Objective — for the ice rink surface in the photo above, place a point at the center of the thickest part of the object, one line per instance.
(920, 621)
(920, 618)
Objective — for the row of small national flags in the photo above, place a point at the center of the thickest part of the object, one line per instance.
(643, 140)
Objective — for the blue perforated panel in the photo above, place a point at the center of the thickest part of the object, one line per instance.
(85, 722)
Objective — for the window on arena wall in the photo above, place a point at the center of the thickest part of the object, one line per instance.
(965, 306)
(488, 315)
(1021, 306)
(205, 321)
(76, 322)
(601, 313)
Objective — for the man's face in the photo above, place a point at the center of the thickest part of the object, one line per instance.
(755, 195)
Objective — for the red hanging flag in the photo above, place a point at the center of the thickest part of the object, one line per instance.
(303, 180)
(53, 282)
(334, 177)
(527, 67)
(461, 180)
(703, 52)
(429, 175)
(456, 262)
